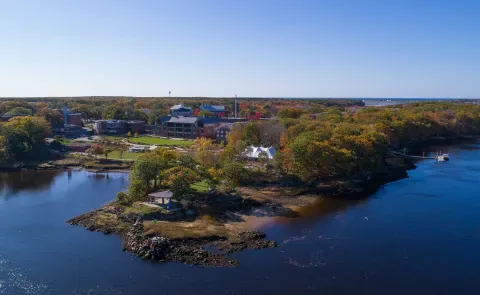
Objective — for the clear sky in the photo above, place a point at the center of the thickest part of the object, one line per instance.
(301, 48)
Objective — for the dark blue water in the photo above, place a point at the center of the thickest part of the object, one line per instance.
(420, 235)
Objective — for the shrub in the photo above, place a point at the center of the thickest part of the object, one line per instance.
(123, 199)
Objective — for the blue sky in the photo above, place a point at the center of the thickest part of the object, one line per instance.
(384, 48)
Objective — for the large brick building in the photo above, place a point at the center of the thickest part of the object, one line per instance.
(186, 127)
(118, 127)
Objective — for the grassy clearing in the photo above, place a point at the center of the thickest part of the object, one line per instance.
(108, 220)
(159, 141)
(201, 186)
(112, 138)
(139, 208)
(204, 226)
(126, 155)
(65, 141)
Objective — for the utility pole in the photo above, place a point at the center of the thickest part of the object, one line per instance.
(235, 115)
(169, 93)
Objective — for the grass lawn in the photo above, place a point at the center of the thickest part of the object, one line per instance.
(65, 141)
(159, 141)
(201, 186)
(139, 208)
(126, 155)
(113, 138)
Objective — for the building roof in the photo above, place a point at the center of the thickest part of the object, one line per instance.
(164, 118)
(179, 107)
(211, 108)
(211, 120)
(226, 127)
(254, 151)
(185, 120)
(164, 194)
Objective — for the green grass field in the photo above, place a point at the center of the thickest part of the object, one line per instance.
(201, 186)
(65, 140)
(159, 141)
(126, 155)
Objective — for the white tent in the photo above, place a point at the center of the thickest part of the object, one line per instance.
(254, 151)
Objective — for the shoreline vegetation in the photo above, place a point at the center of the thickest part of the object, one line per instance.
(324, 149)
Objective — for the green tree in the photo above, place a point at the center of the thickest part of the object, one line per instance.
(143, 174)
(3, 154)
(106, 151)
(146, 172)
(24, 135)
(234, 173)
(179, 179)
(115, 112)
(251, 133)
(139, 115)
(20, 111)
(263, 157)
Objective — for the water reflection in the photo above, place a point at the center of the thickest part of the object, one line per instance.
(322, 208)
(326, 206)
(12, 183)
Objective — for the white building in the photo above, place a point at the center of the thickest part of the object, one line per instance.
(254, 151)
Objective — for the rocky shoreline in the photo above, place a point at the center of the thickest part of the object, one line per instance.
(144, 237)
(189, 250)
(192, 251)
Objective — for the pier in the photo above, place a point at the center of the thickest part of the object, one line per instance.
(439, 157)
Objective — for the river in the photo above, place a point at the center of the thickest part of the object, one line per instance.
(419, 235)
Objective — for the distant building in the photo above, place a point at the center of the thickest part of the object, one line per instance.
(207, 127)
(180, 110)
(70, 130)
(234, 120)
(118, 127)
(136, 127)
(179, 127)
(70, 118)
(5, 118)
(254, 152)
(222, 131)
(218, 111)
(74, 119)
(186, 127)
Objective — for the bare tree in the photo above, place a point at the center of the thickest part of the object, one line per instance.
(270, 133)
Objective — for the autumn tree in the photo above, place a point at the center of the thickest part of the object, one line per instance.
(206, 152)
(179, 179)
(270, 133)
(292, 113)
(51, 116)
(96, 150)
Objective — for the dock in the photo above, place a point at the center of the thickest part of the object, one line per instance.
(396, 153)
(439, 157)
